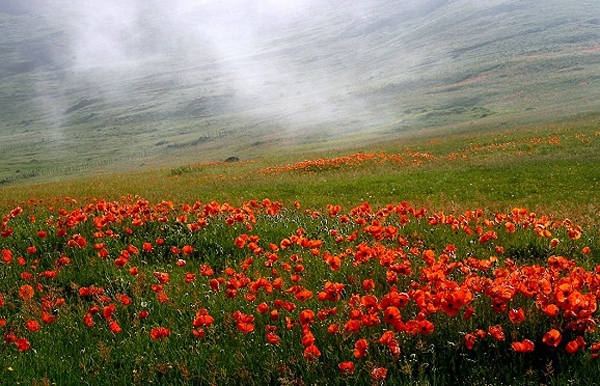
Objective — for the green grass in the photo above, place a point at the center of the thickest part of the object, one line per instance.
(531, 172)
(69, 352)
(546, 168)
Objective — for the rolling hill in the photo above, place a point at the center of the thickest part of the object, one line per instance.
(90, 87)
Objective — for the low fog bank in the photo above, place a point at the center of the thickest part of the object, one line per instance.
(295, 64)
(85, 77)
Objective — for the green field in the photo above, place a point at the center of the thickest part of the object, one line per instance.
(402, 193)
(515, 210)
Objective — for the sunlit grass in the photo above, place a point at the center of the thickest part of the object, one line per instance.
(548, 167)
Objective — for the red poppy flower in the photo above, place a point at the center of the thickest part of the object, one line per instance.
(199, 333)
(159, 333)
(88, 320)
(33, 326)
(203, 319)
(516, 315)
(47, 318)
(311, 353)
(108, 311)
(360, 348)
(524, 346)
(470, 340)
(162, 277)
(245, 327)
(7, 256)
(26, 292)
(575, 345)
(22, 344)
(346, 367)
(114, 327)
(552, 338)
(426, 327)
(379, 374)
(497, 333)
(307, 316)
(368, 284)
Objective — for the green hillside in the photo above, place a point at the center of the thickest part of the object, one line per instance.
(121, 87)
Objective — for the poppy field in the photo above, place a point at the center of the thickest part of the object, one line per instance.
(306, 289)
(132, 292)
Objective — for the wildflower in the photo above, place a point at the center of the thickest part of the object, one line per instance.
(470, 340)
(26, 292)
(379, 374)
(306, 316)
(575, 345)
(214, 285)
(114, 327)
(311, 353)
(159, 333)
(125, 300)
(206, 270)
(497, 333)
(368, 284)
(190, 277)
(262, 308)
(203, 319)
(162, 277)
(199, 333)
(360, 348)
(523, 347)
(33, 326)
(88, 320)
(346, 367)
(516, 315)
(273, 338)
(107, 311)
(162, 297)
(47, 318)
(22, 344)
(7, 256)
(187, 250)
(552, 338)
(425, 327)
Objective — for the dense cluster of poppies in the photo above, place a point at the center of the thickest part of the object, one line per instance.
(410, 157)
(368, 279)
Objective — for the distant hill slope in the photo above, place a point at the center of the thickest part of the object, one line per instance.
(99, 85)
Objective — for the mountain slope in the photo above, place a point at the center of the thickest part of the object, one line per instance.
(87, 86)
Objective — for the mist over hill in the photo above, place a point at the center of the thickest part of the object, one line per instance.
(88, 85)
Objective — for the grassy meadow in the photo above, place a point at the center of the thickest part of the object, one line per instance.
(451, 257)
